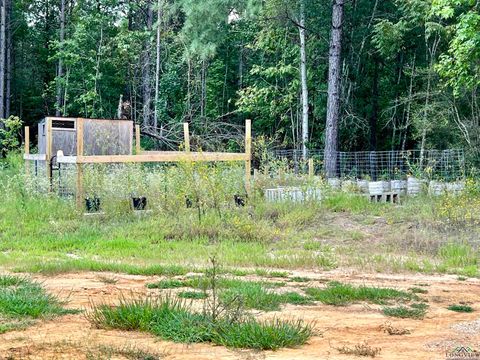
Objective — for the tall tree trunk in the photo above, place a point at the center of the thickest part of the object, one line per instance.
(8, 66)
(333, 100)
(157, 63)
(59, 103)
(240, 66)
(203, 88)
(147, 85)
(3, 46)
(430, 57)
(409, 105)
(374, 114)
(303, 79)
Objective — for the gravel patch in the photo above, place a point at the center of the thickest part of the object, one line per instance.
(468, 327)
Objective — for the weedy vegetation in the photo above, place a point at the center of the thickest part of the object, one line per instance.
(54, 237)
(362, 349)
(336, 293)
(22, 301)
(417, 290)
(196, 295)
(221, 322)
(394, 330)
(460, 308)
(414, 311)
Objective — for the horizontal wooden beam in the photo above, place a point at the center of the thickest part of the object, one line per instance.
(70, 118)
(59, 118)
(34, 157)
(171, 156)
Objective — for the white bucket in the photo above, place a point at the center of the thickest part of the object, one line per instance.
(399, 186)
(436, 188)
(415, 186)
(294, 194)
(362, 185)
(378, 187)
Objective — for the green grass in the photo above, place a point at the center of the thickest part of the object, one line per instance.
(271, 273)
(300, 279)
(23, 300)
(251, 294)
(415, 311)
(167, 284)
(342, 294)
(254, 295)
(173, 320)
(202, 282)
(59, 267)
(45, 234)
(460, 308)
(417, 290)
(196, 295)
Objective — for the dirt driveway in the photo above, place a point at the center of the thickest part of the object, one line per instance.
(72, 336)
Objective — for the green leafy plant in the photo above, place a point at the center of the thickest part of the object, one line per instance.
(460, 308)
(9, 134)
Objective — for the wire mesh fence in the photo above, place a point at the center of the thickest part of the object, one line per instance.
(384, 165)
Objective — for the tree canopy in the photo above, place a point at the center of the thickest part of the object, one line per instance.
(408, 71)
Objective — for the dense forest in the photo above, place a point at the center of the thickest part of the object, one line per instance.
(374, 74)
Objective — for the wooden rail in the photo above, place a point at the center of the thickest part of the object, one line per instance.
(140, 156)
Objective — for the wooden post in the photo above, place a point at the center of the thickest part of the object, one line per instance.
(79, 195)
(248, 153)
(27, 150)
(48, 149)
(186, 136)
(137, 140)
(311, 169)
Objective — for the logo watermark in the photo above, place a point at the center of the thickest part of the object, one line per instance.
(462, 352)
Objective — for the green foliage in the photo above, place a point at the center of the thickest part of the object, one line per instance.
(166, 284)
(9, 134)
(417, 312)
(460, 308)
(174, 320)
(192, 295)
(23, 300)
(40, 232)
(342, 294)
(254, 296)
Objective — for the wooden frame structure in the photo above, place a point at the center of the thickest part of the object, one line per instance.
(140, 156)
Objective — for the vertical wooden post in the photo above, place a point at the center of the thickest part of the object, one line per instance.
(311, 169)
(48, 149)
(248, 152)
(137, 140)
(79, 194)
(27, 150)
(186, 136)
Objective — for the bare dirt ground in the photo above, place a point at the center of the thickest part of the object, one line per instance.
(73, 337)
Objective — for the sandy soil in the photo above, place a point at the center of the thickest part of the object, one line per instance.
(72, 336)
